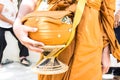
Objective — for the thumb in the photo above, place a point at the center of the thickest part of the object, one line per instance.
(30, 29)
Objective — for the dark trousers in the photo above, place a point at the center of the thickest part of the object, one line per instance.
(117, 33)
(3, 43)
(116, 71)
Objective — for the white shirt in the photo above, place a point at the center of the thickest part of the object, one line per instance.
(117, 5)
(9, 10)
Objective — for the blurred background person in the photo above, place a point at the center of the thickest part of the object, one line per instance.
(8, 13)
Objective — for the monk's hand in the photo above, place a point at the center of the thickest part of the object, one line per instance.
(21, 32)
(105, 60)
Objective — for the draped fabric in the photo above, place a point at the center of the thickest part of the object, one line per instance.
(106, 19)
(93, 33)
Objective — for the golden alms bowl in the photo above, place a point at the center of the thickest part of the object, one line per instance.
(53, 29)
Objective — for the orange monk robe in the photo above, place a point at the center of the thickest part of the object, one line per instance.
(84, 54)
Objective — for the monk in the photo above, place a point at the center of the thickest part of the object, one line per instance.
(88, 54)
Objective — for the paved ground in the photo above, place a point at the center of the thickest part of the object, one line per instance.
(16, 71)
(108, 77)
